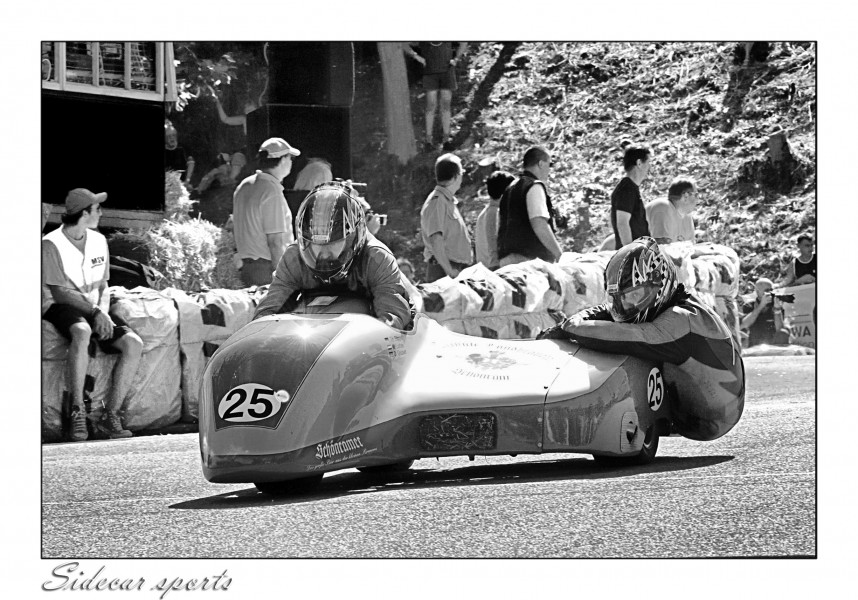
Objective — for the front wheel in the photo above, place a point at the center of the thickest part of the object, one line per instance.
(644, 457)
(291, 486)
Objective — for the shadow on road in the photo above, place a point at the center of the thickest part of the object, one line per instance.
(348, 483)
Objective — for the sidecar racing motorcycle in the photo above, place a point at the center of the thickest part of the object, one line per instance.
(290, 397)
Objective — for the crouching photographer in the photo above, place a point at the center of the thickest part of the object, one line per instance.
(764, 320)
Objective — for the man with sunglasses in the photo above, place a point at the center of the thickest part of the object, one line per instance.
(335, 254)
(526, 218)
(652, 316)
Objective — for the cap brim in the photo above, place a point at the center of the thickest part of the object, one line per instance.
(99, 198)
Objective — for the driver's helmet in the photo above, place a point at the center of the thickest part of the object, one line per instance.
(640, 281)
(331, 230)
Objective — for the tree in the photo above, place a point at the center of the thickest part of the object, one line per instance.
(397, 102)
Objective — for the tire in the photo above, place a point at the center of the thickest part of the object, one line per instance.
(291, 486)
(391, 469)
(644, 457)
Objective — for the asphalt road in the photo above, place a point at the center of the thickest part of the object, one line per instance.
(751, 493)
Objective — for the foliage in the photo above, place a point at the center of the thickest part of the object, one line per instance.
(236, 70)
(701, 114)
(191, 254)
(177, 200)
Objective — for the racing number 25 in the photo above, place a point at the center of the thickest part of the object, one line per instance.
(654, 389)
(234, 411)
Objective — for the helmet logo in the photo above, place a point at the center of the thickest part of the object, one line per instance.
(648, 263)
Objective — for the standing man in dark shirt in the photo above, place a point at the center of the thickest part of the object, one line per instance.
(802, 269)
(526, 216)
(439, 79)
(628, 216)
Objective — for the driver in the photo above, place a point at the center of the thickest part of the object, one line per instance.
(335, 254)
(653, 317)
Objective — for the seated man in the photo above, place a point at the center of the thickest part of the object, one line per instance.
(652, 316)
(670, 220)
(336, 254)
(75, 268)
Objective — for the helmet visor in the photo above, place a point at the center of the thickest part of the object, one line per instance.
(323, 257)
(628, 304)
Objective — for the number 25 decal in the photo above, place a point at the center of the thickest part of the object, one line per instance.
(654, 389)
(251, 402)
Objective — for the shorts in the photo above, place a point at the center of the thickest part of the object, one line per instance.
(443, 81)
(63, 316)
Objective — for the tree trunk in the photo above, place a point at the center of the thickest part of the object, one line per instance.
(397, 102)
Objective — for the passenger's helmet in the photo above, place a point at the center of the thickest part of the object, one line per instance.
(331, 230)
(640, 281)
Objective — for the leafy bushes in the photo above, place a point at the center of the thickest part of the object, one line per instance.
(191, 254)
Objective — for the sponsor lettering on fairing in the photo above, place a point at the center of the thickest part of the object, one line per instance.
(336, 451)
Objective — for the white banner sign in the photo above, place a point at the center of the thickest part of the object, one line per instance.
(800, 315)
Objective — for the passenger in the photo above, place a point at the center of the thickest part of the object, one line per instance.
(653, 317)
(336, 254)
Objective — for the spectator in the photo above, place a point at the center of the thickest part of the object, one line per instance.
(670, 220)
(407, 269)
(651, 316)
(76, 300)
(225, 173)
(315, 172)
(374, 222)
(262, 222)
(486, 230)
(802, 269)
(446, 243)
(628, 216)
(335, 251)
(764, 319)
(174, 155)
(439, 80)
(526, 216)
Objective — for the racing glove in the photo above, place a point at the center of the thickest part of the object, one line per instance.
(553, 333)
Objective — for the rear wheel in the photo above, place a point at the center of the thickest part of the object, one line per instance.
(644, 457)
(291, 486)
(391, 469)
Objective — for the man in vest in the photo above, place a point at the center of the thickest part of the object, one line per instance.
(802, 269)
(526, 217)
(75, 268)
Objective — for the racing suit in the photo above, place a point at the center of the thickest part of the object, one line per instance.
(703, 370)
(373, 273)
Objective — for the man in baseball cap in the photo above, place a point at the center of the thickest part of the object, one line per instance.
(262, 221)
(277, 147)
(76, 300)
(80, 198)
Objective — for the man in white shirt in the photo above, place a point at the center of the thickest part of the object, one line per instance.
(486, 229)
(262, 221)
(75, 300)
(670, 220)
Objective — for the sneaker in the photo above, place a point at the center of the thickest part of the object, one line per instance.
(109, 426)
(78, 431)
